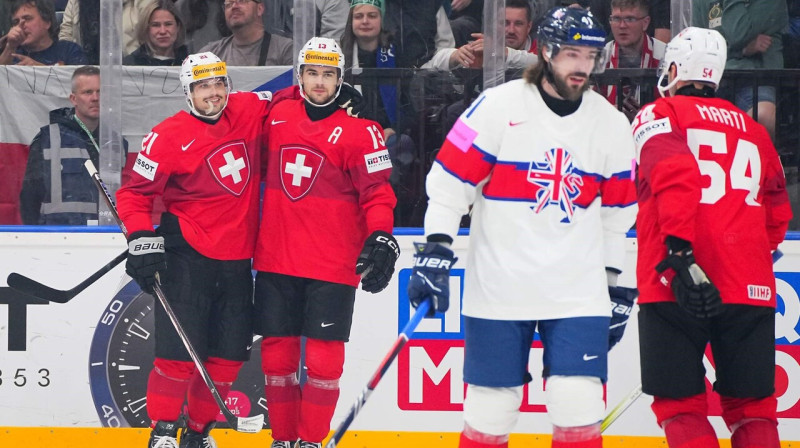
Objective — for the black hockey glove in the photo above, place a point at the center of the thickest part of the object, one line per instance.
(145, 258)
(693, 290)
(376, 261)
(622, 300)
(351, 100)
(431, 276)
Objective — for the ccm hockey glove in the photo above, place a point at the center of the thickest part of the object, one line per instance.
(693, 291)
(622, 300)
(145, 258)
(431, 276)
(376, 261)
(351, 100)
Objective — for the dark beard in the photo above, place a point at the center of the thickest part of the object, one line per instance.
(567, 92)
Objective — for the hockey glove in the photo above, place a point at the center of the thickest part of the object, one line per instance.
(693, 291)
(622, 300)
(351, 100)
(145, 258)
(376, 261)
(431, 276)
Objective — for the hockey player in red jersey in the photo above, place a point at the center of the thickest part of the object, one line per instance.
(546, 166)
(325, 227)
(712, 205)
(204, 164)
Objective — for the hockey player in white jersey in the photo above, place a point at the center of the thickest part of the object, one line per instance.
(546, 165)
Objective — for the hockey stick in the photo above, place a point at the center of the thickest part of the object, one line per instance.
(401, 340)
(242, 424)
(33, 288)
(637, 391)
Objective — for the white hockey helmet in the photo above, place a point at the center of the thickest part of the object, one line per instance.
(199, 67)
(699, 55)
(321, 51)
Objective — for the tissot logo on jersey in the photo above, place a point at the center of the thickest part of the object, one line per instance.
(300, 167)
(650, 129)
(230, 167)
(378, 161)
(146, 167)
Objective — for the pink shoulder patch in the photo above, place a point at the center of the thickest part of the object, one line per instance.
(461, 135)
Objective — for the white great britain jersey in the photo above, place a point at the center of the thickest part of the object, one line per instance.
(552, 200)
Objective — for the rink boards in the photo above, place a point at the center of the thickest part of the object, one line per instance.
(70, 374)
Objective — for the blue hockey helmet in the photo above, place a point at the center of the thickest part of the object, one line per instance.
(574, 27)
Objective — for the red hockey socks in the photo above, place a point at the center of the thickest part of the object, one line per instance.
(577, 437)
(203, 409)
(690, 431)
(472, 438)
(316, 410)
(756, 433)
(283, 406)
(166, 389)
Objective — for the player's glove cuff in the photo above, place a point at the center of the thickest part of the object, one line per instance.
(430, 277)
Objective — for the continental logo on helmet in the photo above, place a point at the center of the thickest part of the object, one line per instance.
(321, 58)
(209, 71)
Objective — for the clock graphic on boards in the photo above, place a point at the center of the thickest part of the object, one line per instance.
(121, 357)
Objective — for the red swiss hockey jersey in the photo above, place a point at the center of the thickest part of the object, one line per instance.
(709, 174)
(207, 174)
(327, 189)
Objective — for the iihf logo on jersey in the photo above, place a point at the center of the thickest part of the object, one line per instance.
(558, 184)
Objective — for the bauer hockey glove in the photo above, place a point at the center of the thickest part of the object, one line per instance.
(351, 100)
(145, 258)
(622, 300)
(693, 291)
(376, 261)
(431, 276)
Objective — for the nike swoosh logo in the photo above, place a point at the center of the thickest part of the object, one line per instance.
(326, 324)
(185, 147)
(511, 123)
(274, 122)
(586, 357)
(249, 347)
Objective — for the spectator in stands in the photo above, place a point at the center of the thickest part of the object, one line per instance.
(33, 38)
(520, 46)
(425, 30)
(658, 28)
(81, 24)
(56, 189)
(366, 44)
(250, 44)
(331, 17)
(204, 20)
(753, 32)
(631, 48)
(161, 32)
(466, 18)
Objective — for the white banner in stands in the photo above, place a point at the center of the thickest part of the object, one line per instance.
(85, 363)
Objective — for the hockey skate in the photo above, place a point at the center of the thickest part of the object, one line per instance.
(304, 444)
(193, 439)
(165, 435)
(281, 444)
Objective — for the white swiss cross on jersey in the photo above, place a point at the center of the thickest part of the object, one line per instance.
(230, 167)
(299, 169)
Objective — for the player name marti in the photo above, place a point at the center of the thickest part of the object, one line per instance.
(732, 118)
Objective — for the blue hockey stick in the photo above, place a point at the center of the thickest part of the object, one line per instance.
(408, 330)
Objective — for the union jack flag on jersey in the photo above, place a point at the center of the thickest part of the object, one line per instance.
(558, 183)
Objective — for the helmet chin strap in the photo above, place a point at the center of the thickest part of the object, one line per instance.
(205, 115)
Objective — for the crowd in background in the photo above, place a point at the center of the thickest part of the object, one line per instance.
(442, 37)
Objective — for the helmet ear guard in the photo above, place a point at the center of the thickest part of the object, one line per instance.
(321, 51)
(199, 67)
(699, 55)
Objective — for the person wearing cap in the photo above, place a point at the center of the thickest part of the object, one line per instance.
(326, 227)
